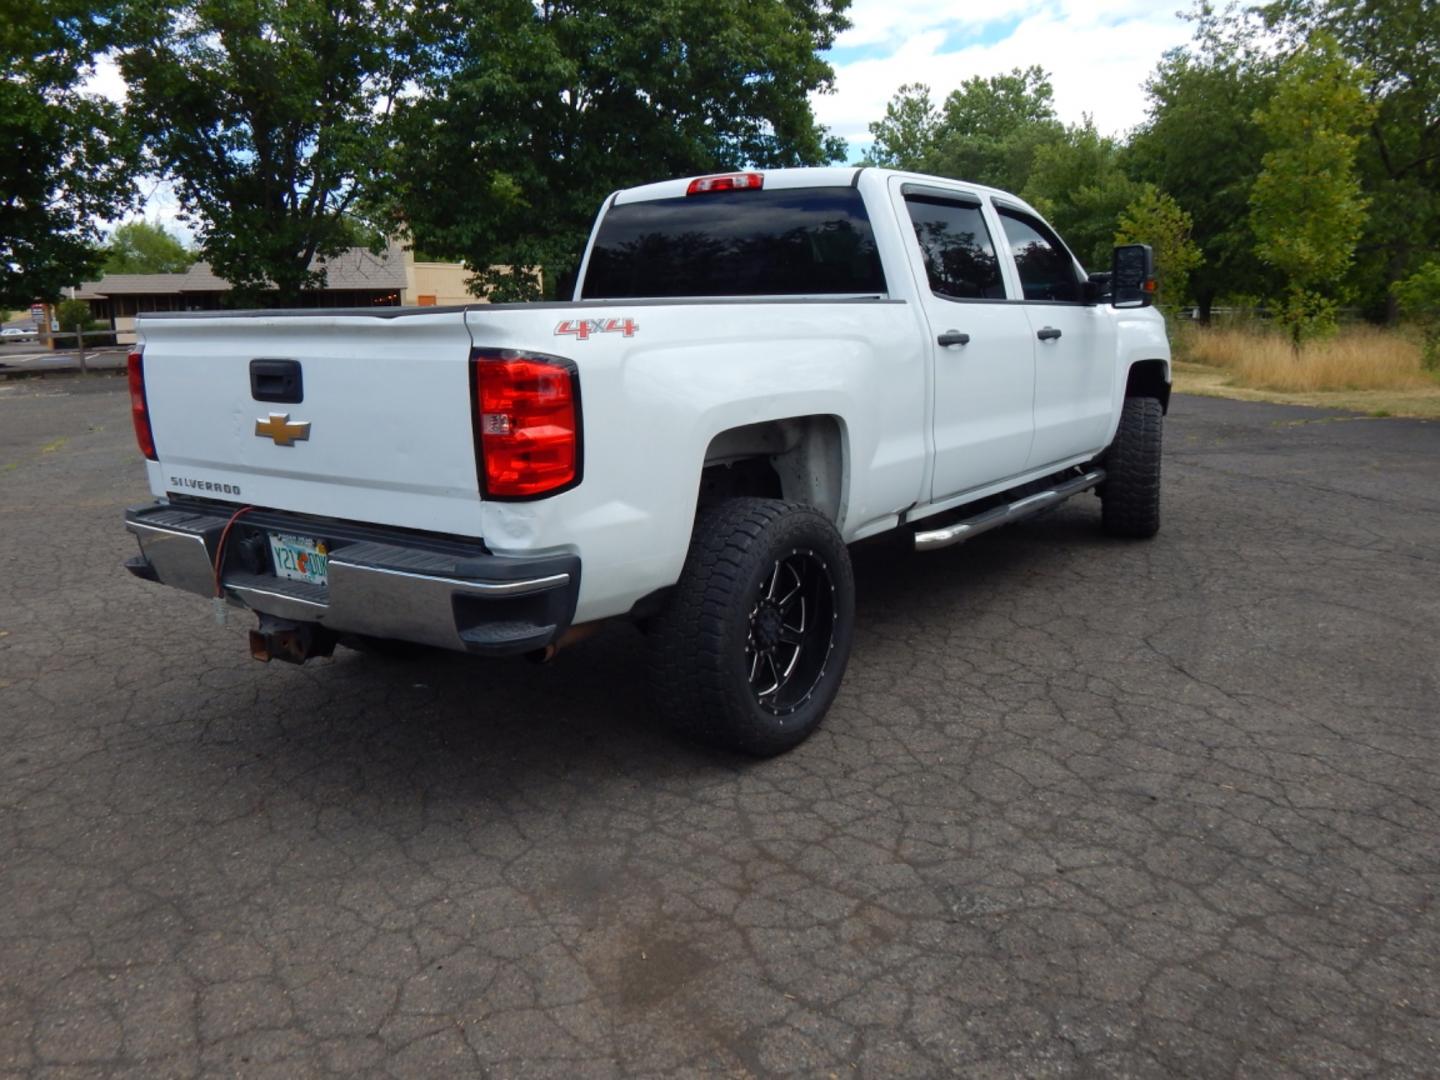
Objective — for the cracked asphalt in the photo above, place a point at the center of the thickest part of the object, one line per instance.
(1082, 808)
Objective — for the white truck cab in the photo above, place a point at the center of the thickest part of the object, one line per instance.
(756, 370)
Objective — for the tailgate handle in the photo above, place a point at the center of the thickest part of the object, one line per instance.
(277, 380)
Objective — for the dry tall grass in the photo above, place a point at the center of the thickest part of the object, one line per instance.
(1358, 358)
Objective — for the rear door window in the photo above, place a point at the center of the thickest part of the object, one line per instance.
(955, 244)
(781, 242)
(1047, 271)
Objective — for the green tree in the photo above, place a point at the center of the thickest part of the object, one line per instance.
(534, 112)
(271, 117)
(1395, 43)
(1157, 219)
(1306, 207)
(990, 129)
(1419, 298)
(906, 135)
(1200, 142)
(987, 131)
(65, 152)
(361, 233)
(72, 315)
(138, 247)
(1078, 182)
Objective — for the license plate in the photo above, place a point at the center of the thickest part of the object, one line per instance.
(300, 559)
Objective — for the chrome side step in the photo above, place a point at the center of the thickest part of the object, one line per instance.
(934, 539)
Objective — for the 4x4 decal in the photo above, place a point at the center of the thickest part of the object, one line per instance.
(583, 328)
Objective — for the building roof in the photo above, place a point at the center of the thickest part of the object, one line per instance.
(128, 284)
(356, 268)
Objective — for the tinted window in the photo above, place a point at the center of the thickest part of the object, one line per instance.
(959, 255)
(737, 243)
(1047, 271)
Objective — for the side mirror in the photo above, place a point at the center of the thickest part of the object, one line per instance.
(1132, 276)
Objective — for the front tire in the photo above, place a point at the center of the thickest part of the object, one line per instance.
(749, 651)
(1130, 496)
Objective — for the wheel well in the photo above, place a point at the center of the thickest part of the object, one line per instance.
(800, 458)
(1147, 379)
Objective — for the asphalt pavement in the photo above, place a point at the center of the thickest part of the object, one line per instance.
(1082, 808)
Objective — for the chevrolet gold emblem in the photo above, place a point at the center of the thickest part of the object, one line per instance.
(279, 428)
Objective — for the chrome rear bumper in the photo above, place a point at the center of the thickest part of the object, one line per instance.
(445, 592)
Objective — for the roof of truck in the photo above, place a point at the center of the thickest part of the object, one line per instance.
(821, 176)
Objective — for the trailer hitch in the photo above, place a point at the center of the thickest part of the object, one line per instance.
(293, 642)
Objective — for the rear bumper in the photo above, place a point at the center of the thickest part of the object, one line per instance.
(440, 591)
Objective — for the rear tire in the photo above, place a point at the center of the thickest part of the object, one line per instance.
(1130, 496)
(749, 651)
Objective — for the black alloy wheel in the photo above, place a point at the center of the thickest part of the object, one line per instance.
(792, 632)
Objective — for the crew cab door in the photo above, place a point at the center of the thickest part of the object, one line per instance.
(984, 359)
(1074, 343)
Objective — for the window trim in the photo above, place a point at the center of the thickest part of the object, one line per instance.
(933, 191)
(1006, 206)
(958, 198)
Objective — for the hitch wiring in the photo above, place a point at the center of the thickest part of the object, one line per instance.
(220, 549)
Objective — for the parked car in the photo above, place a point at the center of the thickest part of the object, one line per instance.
(18, 333)
(757, 370)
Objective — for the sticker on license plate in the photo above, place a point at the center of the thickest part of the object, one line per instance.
(300, 558)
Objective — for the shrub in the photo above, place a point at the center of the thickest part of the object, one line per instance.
(1419, 297)
(70, 312)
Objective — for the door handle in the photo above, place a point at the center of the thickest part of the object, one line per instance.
(1048, 333)
(953, 337)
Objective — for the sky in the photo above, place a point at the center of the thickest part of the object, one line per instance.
(1098, 54)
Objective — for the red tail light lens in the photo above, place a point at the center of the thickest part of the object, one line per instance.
(139, 411)
(527, 424)
(740, 181)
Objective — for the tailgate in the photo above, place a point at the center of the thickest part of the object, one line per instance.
(387, 400)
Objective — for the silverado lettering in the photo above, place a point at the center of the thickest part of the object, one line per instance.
(204, 485)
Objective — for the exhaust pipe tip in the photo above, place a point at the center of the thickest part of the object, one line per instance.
(565, 640)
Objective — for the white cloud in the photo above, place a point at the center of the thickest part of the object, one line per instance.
(161, 207)
(1098, 53)
(106, 80)
(882, 22)
(158, 203)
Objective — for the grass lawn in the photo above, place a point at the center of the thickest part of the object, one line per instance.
(1423, 402)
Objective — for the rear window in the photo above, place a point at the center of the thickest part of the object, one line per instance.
(788, 242)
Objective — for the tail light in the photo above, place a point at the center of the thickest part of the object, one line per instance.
(739, 181)
(527, 423)
(139, 410)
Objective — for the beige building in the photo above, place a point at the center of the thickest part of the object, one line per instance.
(357, 278)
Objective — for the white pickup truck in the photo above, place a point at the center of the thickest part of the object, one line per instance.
(757, 369)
